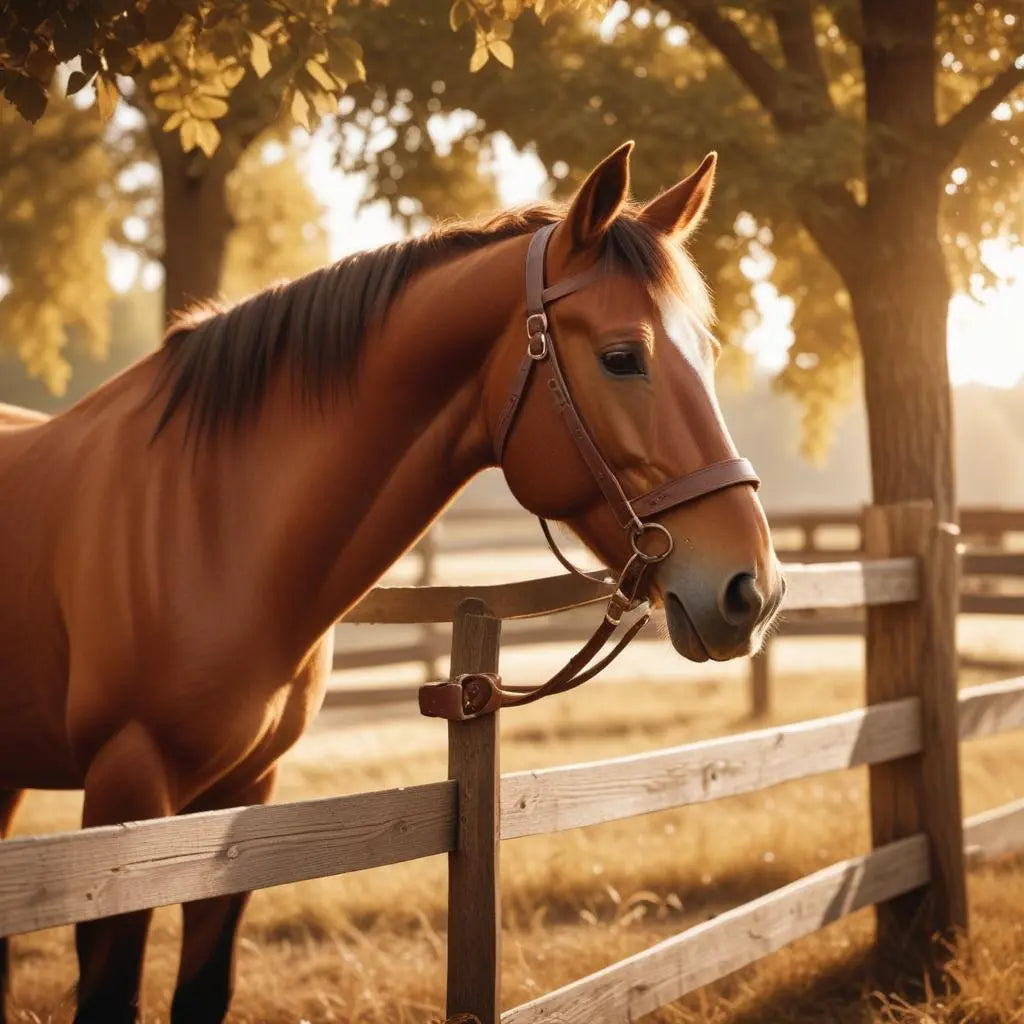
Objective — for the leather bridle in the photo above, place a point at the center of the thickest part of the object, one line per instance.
(474, 694)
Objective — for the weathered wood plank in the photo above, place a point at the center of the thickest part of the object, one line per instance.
(992, 708)
(911, 652)
(506, 600)
(836, 585)
(554, 799)
(474, 899)
(79, 876)
(627, 990)
(851, 584)
(992, 604)
(993, 833)
(992, 563)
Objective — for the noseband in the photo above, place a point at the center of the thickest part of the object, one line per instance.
(474, 694)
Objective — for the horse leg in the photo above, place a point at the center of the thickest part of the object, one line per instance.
(206, 976)
(9, 799)
(126, 780)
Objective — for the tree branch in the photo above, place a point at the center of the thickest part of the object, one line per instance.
(828, 210)
(794, 23)
(952, 135)
(757, 73)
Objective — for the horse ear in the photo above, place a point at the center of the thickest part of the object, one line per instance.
(600, 199)
(679, 211)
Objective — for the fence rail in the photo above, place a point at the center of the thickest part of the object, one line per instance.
(908, 736)
(77, 876)
(477, 531)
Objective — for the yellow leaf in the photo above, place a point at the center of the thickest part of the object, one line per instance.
(176, 119)
(259, 54)
(325, 103)
(502, 52)
(479, 58)
(165, 82)
(207, 137)
(232, 75)
(300, 109)
(189, 134)
(459, 14)
(320, 75)
(106, 96)
(206, 108)
(168, 101)
(501, 29)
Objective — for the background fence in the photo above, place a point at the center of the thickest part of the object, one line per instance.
(992, 583)
(909, 735)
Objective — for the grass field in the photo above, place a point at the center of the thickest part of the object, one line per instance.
(369, 948)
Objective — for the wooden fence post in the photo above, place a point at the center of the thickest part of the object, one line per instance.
(429, 632)
(474, 906)
(761, 681)
(911, 652)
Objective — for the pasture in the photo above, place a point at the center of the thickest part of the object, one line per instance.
(370, 947)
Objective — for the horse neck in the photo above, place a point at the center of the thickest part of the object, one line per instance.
(336, 498)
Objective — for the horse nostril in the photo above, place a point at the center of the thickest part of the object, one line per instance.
(741, 601)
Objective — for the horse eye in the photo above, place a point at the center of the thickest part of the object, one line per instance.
(623, 362)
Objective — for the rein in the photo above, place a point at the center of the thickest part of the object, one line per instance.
(480, 693)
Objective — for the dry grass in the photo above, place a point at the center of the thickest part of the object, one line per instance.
(369, 948)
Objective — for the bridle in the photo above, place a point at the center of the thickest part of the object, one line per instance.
(479, 693)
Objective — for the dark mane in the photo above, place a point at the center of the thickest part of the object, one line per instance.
(219, 361)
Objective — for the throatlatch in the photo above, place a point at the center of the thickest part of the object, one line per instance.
(480, 693)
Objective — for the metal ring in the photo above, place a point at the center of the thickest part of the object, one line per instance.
(540, 354)
(637, 532)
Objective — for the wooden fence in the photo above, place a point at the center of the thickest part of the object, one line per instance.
(908, 734)
(806, 537)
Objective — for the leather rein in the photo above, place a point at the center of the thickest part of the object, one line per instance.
(479, 693)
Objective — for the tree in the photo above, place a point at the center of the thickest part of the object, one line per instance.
(51, 240)
(72, 187)
(209, 77)
(838, 123)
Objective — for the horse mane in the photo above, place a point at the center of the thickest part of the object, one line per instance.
(219, 361)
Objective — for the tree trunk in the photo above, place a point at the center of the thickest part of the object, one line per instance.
(900, 301)
(196, 219)
(899, 286)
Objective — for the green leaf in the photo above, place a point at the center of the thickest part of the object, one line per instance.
(259, 54)
(77, 81)
(119, 58)
(502, 52)
(40, 65)
(28, 96)
(162, 19)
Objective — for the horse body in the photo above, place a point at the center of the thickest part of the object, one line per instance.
(167, 587)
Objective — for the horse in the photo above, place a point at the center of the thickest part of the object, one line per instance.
(175, 548)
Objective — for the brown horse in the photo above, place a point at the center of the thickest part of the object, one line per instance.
(175, 548)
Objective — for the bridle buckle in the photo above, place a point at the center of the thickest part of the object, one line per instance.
(537, 332)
